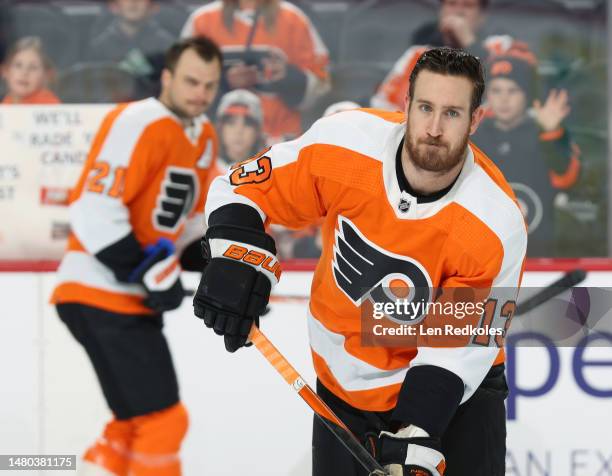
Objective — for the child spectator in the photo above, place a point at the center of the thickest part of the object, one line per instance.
(531, 146)
(27, 72)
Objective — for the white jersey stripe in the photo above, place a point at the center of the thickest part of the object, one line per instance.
(351, 373)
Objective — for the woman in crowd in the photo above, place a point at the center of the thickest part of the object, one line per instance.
(239, 120)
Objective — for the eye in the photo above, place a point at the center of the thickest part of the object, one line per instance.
(425, 107)
(452, 113)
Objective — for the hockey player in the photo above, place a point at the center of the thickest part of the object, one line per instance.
(136, 214)
(535, 152)
(404, 198)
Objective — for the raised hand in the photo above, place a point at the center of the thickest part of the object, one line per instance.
(556, 108)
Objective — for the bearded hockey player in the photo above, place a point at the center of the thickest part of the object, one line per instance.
(404, 196)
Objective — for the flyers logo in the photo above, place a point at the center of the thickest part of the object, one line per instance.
(363, 270)
(254, 170)
(530, 204)
(177, 196)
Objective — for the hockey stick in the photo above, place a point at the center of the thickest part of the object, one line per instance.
(567, 281)
(322, 411)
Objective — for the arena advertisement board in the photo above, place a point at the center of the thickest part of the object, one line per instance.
(43, 149)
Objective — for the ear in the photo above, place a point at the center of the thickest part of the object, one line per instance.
(477, 117)
(166, 78)
(406, 104)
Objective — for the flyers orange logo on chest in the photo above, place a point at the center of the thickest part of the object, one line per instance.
(365, 271)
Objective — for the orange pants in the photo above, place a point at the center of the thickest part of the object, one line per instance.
(146, 445)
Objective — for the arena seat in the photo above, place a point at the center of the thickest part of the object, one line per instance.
(97, 83)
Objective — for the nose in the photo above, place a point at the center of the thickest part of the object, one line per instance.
(434, 128)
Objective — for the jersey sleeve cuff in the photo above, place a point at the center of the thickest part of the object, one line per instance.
(429, 398)
(237, 214)
(122, 257)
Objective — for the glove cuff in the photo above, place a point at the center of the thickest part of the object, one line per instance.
(243, 234)
(162, 275)
(245, 245)
(418, 453)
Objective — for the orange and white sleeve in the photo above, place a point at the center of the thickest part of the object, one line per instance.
(278, 183)
(119, 167)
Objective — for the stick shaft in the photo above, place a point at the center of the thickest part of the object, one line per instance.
(322, 411)
(567, 281)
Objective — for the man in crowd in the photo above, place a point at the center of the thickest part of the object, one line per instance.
(134, 40)
(460, 24)
(272, 49)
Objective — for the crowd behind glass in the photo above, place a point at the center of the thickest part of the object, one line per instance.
(546, 63)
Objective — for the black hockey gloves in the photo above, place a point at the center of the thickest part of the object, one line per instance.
(159, 272)
(410, 452)
(236, 284)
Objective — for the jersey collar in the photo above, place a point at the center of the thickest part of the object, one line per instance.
(405, 205)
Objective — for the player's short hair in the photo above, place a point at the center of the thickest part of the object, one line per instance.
(484, 4)
(451, 62)
(205, 48)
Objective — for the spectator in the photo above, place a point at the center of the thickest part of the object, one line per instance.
(133, 39)
(460, 24)
(269, 47)
(27, 73)
(239, 121)
(534, 151)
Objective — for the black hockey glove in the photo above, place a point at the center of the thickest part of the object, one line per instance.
(236, 283)
(159, 273)
(410, 452)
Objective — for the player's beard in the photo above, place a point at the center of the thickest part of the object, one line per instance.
(181, 112)
(441, 158)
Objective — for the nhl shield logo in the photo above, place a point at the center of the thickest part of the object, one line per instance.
(404, 205)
